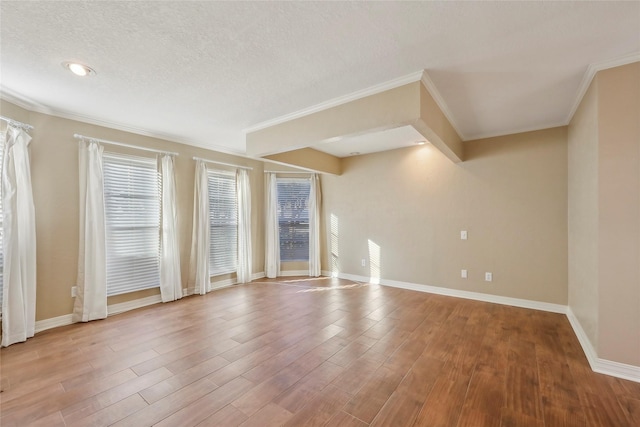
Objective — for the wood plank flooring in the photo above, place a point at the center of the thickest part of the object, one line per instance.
(313, 352)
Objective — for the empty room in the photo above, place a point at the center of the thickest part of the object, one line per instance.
(349, 213)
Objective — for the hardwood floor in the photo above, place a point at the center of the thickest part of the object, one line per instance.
(323, 352)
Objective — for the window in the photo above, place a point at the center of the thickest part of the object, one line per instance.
(293, 218)
(132, 214)
(223, 223)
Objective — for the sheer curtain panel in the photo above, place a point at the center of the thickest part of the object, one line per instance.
(314, 226)
(272, 238)
(91, 286)
(199, 262)
(19, 275)
(244, 226)
(170, 280)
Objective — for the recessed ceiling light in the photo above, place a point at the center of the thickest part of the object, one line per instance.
(79, 69)
(354, 153)
(420, 142)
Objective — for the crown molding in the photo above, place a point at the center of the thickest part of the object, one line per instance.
(30, 105)
(431, 87)
(592, 69)
(373, 90)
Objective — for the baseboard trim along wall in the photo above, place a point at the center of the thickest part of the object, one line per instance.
(477, 296)
(54, 322)
(113, 309)
(291, 273)
(601, 366)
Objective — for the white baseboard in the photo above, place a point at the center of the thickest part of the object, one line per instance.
(132, 305)
(230, 282)
(602, 366)
(256, 276)
(67, 319)
(290, 273)
(477, 296)
(54, 322)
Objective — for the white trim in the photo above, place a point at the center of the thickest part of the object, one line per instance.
(477, 296)
(373, 90)
(619, 370)
(587, 347)
(602, 366)
(435, 94)
(291, 273)
(256, 276)
(30, 105)
(67, 319)
(54, 322)
(590, 74)
(220, 284)
(132, 305)
(21, 101)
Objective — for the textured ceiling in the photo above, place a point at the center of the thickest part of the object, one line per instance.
(203, 72)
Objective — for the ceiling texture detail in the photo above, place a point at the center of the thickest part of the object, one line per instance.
(206, 73)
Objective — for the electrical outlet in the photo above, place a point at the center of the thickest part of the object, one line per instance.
(488, 276)
(363, 262)
(463, 274)
(74, 291)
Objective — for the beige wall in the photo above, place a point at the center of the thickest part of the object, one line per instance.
(310, 159)
(604, 214)
(403, 210)
(583, 214)
(54, 170)
(619, 213)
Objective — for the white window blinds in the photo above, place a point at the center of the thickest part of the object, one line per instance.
(293, 218)
(223, 223)
(132, 211)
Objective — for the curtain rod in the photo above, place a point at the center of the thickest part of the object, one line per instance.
(120, 144)
(291, 172)
(16, 123)
(223, 164)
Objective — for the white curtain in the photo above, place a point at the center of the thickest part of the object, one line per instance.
(91, 285)
(199, 262)
(19, 289)
(314, 226)
(272, 238)
(244, 226)
(170, 280)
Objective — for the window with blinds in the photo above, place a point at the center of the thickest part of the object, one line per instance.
(293, 218)
(132, 213)
(223, 223)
